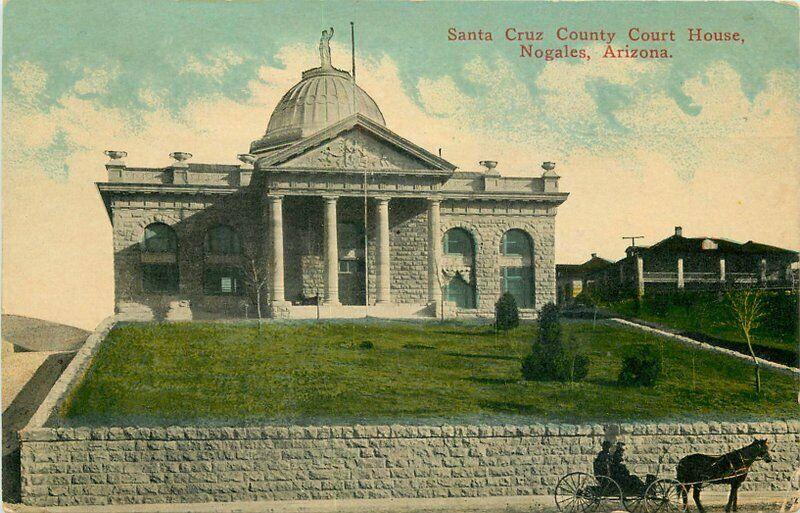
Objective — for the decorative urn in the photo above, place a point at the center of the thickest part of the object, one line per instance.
(247, 158)
(115, 154)
(180, 156)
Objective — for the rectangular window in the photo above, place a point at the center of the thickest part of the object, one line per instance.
(160, 278)
(223, 281)
(517, 282)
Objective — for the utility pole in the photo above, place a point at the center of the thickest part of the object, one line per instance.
(633, 238)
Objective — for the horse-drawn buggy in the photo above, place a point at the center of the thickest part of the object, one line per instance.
(611, 485)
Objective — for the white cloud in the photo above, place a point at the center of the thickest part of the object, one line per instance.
(94, 81)
(29, 80)
(212, 65)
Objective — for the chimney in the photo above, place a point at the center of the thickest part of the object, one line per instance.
(679, 231)
(594, 255)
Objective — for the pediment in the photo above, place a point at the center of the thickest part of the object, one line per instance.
(356, 149)
(356, 143)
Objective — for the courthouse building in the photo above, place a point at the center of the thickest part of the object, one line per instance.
(197, 240)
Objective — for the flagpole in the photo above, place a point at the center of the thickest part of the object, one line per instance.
(353, 49)
(366, 200)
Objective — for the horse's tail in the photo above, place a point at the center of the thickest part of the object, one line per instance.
(680, 469)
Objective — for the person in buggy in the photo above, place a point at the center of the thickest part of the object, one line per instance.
(611, 465)
(602, 463)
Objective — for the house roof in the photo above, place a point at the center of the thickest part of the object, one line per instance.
(593, 264)
(681, 244)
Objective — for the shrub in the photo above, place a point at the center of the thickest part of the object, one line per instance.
(531, 367)
(782, 308)
(506, 313)
(579, 367)
(366, 344)
(641, 367)
(658, 304)
(550, 359)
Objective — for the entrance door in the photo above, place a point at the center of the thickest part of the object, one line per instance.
(351, 282)
(351, 263)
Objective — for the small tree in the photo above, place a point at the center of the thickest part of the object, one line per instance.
(549, 358)
(549, 334)
(255, 276)
(746, 310)
(506, 313)
(578, 364)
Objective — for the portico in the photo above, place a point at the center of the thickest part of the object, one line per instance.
(335, 261)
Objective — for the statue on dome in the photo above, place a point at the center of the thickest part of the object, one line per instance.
(325, 48)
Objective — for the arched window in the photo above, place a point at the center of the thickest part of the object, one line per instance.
(159, 238)
(458, 241)
(223, 240)
(460, 292)
(515, 243)
(516, 267)
(459, 255)
(159, 259)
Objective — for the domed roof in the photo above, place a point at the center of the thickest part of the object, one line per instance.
(322, 98)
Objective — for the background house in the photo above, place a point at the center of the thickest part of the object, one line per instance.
(572, 279)
(679, 262)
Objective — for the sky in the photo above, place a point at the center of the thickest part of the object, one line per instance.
(708, 139)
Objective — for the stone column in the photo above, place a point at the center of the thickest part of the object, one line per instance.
(434, 252)
(680, 274)
(639, 277)
(331, 253)
(276, 230)
(382, 258)
(722, 270)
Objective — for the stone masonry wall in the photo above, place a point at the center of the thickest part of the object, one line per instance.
(487, 229)
(190, 218)
(82, 466)
(408, 245)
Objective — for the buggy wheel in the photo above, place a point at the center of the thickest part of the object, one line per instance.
(579, 492)
(664, 496)
(634, 503)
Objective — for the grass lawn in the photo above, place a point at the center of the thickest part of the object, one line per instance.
(708, 316)
(309, 372)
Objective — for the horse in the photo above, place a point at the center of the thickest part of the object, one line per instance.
(696, 470)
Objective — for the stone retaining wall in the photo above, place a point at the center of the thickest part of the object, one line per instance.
(81, 466)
